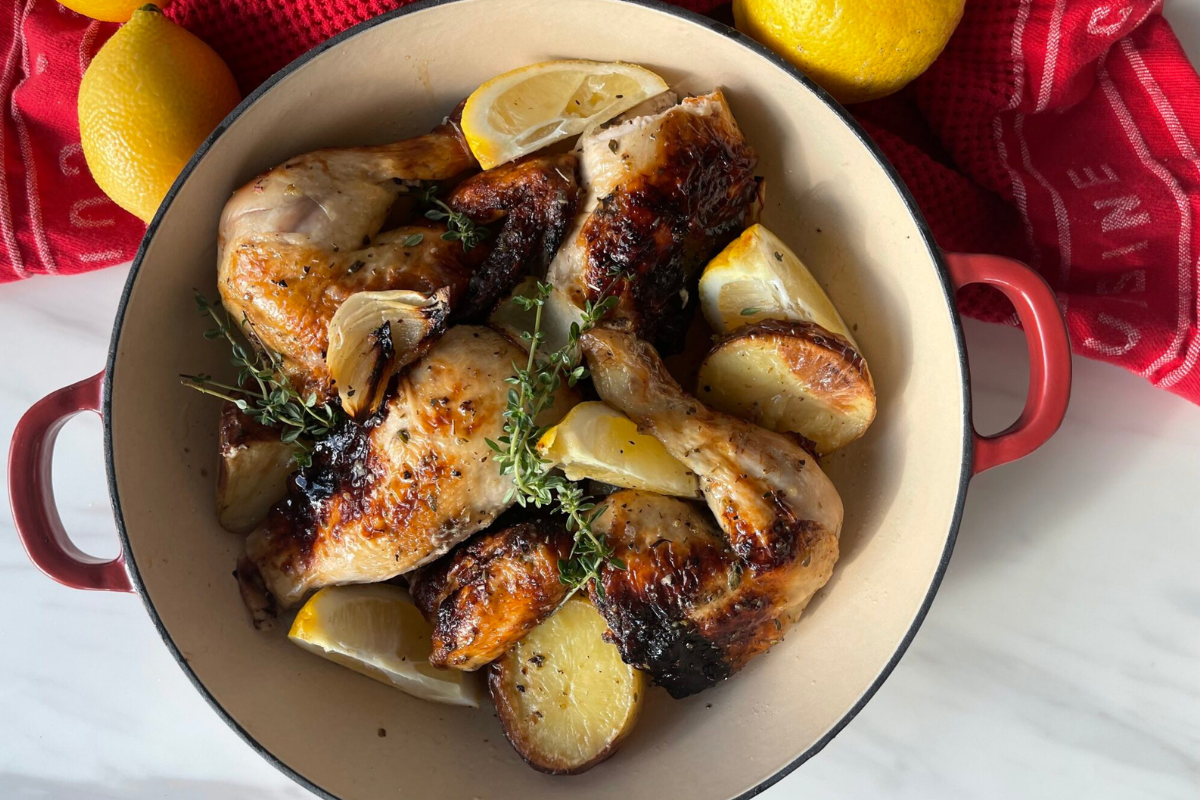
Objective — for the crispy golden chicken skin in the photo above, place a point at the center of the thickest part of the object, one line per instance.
(689, 609)
(383, 498)
(664, 192)
(289, 290)
(490, 591)
(299, 239)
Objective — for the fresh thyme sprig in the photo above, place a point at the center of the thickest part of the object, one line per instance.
(461, 227)
(534, 387)
(263, 390)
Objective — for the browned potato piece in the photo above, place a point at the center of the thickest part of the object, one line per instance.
(563, 694)
(791, 376)
(253, 471)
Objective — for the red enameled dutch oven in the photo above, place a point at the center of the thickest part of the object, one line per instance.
(831, 196)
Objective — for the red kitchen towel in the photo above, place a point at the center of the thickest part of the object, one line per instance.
(1059, 133)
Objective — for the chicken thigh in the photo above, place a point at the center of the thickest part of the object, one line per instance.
(664, 191)
(298, 240)
(383, 498)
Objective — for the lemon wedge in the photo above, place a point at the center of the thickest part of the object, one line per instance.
(594, 441)
(529, 108)
(758, 277)
(375, 630)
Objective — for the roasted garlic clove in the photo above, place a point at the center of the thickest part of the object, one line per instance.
(375, 334)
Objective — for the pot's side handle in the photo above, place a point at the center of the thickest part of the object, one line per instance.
(31, 494)
(1049, 355)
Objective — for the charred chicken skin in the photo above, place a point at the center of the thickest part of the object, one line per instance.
(688, 609)
(383, 498)
(491, 591)
(664, 192)
(535, 197)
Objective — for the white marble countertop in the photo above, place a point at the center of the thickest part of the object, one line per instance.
(1061, 658)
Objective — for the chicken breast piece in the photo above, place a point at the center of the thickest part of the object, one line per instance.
(686, 610)
(383, 498)
(664, 192)
(490, 591)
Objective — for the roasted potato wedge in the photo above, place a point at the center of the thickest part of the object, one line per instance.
(253, 471)
(563, 694)
(791, 376)
(516, 322)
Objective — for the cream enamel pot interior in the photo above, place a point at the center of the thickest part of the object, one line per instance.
(830, 196)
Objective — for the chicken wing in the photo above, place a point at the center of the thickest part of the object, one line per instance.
(664, 191)
(536, 198)
(491, 591)
(691, 610)
(385, 497)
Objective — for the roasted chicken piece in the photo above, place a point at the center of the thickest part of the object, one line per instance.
(697, 598)
(536, 198)
(383, 498)
(338, 197)
(664, 192)
(298, 240)
(672, 610)
(490, 591)
(289, 292)
(688, 609)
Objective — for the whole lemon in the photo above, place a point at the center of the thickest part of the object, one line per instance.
(147, 101)
(106, 10)
(855, 49)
